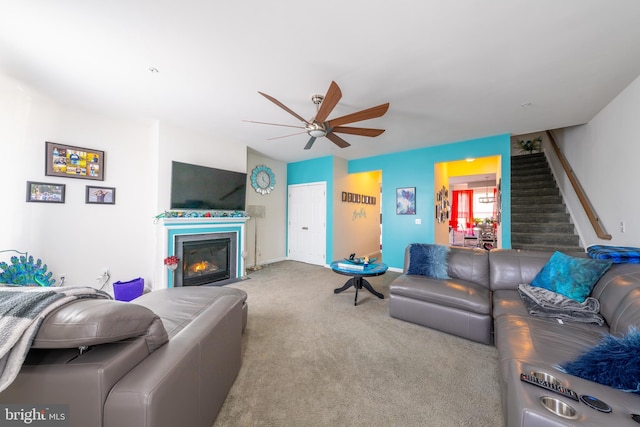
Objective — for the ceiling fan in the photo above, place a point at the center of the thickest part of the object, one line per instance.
(319, 126)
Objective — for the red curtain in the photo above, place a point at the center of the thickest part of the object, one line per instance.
(462, 209)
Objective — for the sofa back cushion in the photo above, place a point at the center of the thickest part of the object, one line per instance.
(618, 291)
(96, 321)
(469, 264)
(509, 268)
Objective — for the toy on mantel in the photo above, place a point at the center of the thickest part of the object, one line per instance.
(24, 272)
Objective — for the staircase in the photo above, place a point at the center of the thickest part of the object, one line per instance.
(539, 218)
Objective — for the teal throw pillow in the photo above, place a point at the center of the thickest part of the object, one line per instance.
(428, 260)
(570, 276)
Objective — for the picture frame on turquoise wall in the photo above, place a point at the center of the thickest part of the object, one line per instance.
(406, 201)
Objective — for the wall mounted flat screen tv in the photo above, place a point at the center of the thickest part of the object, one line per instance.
(201, 187)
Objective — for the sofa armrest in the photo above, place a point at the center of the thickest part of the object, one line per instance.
(186, 381)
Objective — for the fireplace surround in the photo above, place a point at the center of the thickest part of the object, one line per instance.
(198, 233)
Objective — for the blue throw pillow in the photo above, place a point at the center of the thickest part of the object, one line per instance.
(614, 362)
(570, 276)
(428, 260)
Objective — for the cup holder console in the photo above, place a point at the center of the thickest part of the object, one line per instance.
(545, 377)
(558, 407)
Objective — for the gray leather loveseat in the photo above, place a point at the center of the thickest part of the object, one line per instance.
(481, 302)
(168, 358)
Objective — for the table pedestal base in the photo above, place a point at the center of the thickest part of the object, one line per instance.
(358, 282)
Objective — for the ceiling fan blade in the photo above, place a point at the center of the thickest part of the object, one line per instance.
(337, 140)
(358, 131)
(274, 124)
(286, 136)
(310, 143)
(284, 107)
(329, 102)
(369, 113)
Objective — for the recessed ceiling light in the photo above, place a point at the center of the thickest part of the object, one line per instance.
(526, 104)
(469, 159)
(154, 70)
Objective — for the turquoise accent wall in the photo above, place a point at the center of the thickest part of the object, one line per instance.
(316, 170)
(415, 168)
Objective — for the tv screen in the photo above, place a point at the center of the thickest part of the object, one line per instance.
(201, 187)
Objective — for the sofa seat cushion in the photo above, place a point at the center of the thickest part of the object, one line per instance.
(177, 307)
(455, 293)
(537, 340)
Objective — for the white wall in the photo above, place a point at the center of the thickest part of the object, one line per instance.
(604, 155)
(272, 229)
(74, 238)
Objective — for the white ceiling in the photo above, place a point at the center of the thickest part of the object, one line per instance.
(451, 70)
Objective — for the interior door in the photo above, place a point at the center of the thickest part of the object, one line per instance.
(307, 226)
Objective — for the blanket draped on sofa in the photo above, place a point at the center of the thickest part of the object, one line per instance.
(544, 303)
(22, 310)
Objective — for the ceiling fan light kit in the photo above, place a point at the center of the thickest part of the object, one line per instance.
(319, 126)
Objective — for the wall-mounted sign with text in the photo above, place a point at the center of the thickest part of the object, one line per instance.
(358, 198)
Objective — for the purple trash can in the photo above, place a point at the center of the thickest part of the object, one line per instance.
(126, 291)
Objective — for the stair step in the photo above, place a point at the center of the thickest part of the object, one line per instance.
(527, 158)
(572, 250)
(534, 209)
(534, 169)
(537, 200)
(534, 191)
(540, 227)
(546, 238)
(539, 217)
(533, 177)
(532, 185)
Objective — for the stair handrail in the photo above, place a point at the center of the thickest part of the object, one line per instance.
(582, 197)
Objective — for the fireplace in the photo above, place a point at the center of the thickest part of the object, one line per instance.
(206, 259)
(175, 232)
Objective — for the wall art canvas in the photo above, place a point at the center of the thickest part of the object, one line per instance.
(406, 201)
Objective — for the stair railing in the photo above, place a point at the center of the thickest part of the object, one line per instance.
(582, 197)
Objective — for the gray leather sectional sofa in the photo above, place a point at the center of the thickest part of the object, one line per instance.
(168, 359)
(481, 302)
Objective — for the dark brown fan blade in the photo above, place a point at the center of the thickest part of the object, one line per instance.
(337, 140)
(369, 113)
(284, 107)
(329, 102)
(274, 124)
(358, 131)
(310, 143)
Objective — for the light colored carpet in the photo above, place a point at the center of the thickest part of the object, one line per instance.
(310, 358)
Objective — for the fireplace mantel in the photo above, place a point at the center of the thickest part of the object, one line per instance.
(173, 227)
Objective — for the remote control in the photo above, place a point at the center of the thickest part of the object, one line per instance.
(549, 386)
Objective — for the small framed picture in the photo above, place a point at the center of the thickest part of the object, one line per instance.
(406, 201)
(73, 162)
(344, 196)
(349, 197)
(100, 195)
(45, 192)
